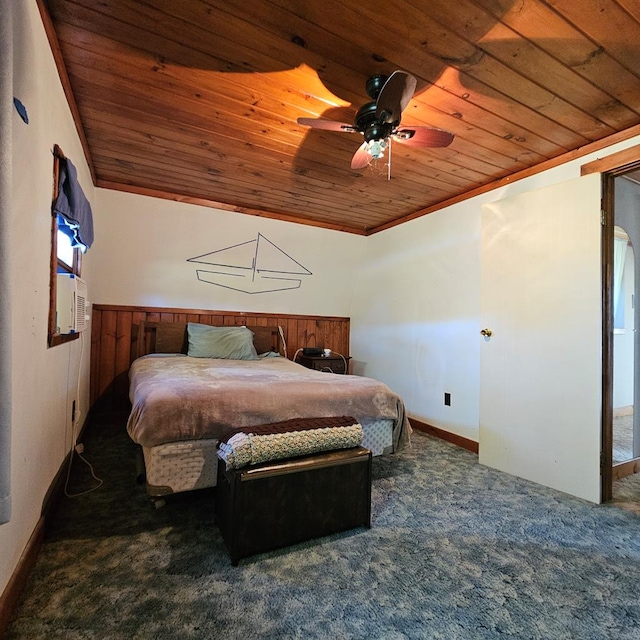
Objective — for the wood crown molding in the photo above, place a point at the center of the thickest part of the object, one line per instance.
(617, 162)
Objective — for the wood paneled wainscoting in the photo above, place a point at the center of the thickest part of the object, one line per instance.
(114, 331)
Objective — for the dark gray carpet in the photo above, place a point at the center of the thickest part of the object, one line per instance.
(456, 551)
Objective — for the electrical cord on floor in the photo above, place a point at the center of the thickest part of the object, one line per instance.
(78, 449)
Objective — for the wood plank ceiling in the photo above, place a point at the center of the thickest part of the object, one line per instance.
(198, 99)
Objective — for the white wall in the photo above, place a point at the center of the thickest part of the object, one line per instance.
(415, 311)
(142, 246)
(416, 315)
(45, 381)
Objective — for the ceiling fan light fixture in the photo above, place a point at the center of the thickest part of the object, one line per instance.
(376, 148)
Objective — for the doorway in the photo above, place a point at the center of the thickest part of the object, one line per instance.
(625, 318)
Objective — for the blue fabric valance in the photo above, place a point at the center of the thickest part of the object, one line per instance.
(73, 206)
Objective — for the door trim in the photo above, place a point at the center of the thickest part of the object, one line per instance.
(616, 165)
(606, 447)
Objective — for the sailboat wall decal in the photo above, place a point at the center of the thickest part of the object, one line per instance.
(255, 266)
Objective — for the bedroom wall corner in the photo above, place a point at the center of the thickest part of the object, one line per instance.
(44, 381)
(414, 315)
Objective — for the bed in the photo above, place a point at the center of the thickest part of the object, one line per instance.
(183, 404)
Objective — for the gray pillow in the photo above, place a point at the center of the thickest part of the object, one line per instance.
(231, 343)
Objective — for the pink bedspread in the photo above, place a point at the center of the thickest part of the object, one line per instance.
(182, 398)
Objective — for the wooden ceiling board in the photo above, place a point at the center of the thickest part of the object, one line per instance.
(157, 74)
(575, 50)
(199, 149)
(528, 56)
(477, 64)
(200, 98)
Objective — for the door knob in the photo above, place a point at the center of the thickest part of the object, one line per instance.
(487, 333)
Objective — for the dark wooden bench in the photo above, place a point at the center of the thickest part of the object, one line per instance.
(277, 504)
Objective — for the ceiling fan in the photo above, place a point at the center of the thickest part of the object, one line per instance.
(379, 120)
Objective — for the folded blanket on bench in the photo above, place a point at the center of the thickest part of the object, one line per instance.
(288, 439)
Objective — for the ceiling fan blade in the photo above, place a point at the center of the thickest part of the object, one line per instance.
(361, 158)
(394, 96)
(423, 136)
(329, 125)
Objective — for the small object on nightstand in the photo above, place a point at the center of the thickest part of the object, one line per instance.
(333, 363)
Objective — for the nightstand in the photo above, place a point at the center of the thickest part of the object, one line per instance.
(334, 363)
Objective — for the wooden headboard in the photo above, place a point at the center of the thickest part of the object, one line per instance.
(171, 337)
(115, 331)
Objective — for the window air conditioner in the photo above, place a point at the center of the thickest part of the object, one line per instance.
(71, 303)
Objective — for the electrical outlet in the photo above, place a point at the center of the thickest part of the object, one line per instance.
(447, 399)
(79, 447)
